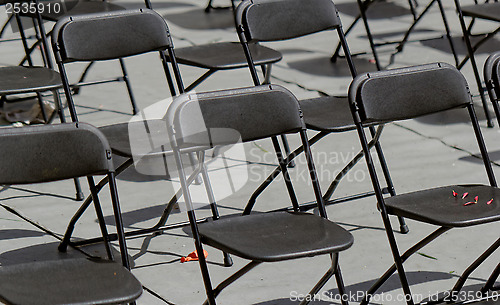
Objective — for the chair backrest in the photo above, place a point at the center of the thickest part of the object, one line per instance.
(52, 152)
(492, 74)
(110, 35)
(268, 20)
(228, 116)
(490, 65)
(407, 93)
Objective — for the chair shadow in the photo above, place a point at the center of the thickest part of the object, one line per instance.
(399, 34)
(198, 19)
(322, 66)
(49, 251)
(9, 234)
(39, 252)
(494, 156)
(454, 116)
(378, 10)
(492, 45)
(327, 297)
(139, 215)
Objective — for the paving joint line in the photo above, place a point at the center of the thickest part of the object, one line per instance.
(443, 142)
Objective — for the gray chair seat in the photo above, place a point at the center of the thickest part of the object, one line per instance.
(73, 8)
(118, 136)
(272, 237)
(58, 282)
(488, 11)
(18, 80)
(224, 55)
(438, 206)
(327, 113)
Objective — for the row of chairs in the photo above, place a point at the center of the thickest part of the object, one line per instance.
(220, 110)
(479, 10)
(254, 28)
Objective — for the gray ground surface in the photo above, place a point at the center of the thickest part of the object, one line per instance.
(425, 152)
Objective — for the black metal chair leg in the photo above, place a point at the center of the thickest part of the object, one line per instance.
(470, 52)
(286, 147)
(401, 44)
(129, 86)
(461, 281)
(337, 49)
(209, 6)
(448, 33)
(412, 9)
(491, 280)
(100, 217)
(318, 285)
(228, 261)
(340, 285)
(78, 188)
(362, 10)
(381, 280)
(388, 180)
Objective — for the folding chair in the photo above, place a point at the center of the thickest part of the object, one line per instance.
(275, 20)
(363, 8)
(149, 32)
(222, 56)
(30, 79)
(492, 79)
(23, 82)
(219, 118)
(489, 11)
(62, 152)
(406, 93)
(54, 11)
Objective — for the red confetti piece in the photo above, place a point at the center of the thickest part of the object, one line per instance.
(469, 203)
(454, 193)
(476, 198)
(465, 195)
(489, 202)
(193, 256)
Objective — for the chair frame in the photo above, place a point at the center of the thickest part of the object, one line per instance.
(49, 65)
(359, 117)
(178, 148)
(39, 26)
(66, 172)
(167, 56)
(363, 7)
(245, 38)
(466, 32)
(492, 80)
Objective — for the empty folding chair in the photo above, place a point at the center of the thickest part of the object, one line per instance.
(62, 152)
(275, 20)
(150, 33)
(53, 11)
(489, 11)
(28, 81)
(220, 118)
(491, 73)
(222, 56)
(363, 8)
(406, 93)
